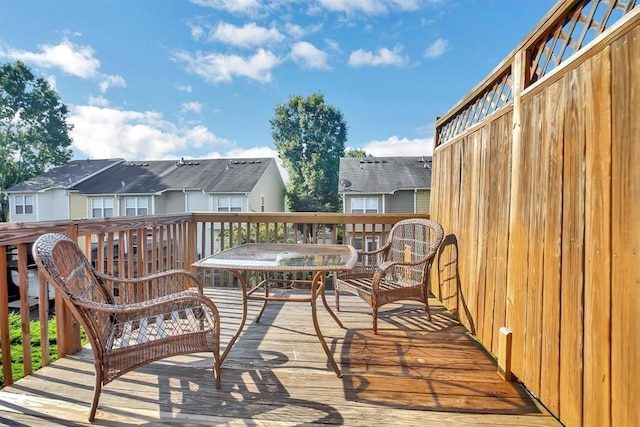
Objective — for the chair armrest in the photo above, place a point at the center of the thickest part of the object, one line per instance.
(188, 280)
(385, 266)
(381, 249)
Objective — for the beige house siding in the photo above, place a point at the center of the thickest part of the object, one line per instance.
(78, 206)
(423, 201)
(271, 187)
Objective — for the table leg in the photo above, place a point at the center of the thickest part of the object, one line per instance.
(264, 303)
(243, 285)
(316, 325)
(331, 312)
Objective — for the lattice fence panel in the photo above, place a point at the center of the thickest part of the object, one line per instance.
(579, 27)
(492, 99)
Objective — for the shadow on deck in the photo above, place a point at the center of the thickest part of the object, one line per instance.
(414, 372)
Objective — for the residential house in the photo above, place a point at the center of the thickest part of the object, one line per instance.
(115, 187)
(45, 197)
(384, 185)
(168, 186)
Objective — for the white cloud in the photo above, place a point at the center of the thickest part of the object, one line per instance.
(298, 32)
(437, 48)
(371, 7)
(110, 133)
(98, 101)
(193, 107)
(184, 88)
(384, 56)
(111, 81)
(348, 6)
(232, 6)
(246, 36)
(218, 68)
(394, 146)
(332, 45)
(66, 56)
(308, 56)
(196, 31)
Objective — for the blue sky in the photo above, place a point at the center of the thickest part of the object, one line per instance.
(164, 79)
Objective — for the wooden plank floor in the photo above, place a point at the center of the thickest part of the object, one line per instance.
(414, 372)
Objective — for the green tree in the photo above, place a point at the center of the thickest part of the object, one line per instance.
(310, 136)
(34, 133)
(356, 152)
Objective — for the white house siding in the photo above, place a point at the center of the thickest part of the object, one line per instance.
(271, 186)
(159, 205)
(174, 202)
(14, 217)
(197, 201)
(52, 205)
(400, 202)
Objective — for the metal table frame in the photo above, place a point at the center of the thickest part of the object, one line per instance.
(317, 259)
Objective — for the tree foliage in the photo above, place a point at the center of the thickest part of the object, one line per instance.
(356, 152)
(310, 137)
(34, 133)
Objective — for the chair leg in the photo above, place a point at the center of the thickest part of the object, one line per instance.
(426, 307)
(374, 316)
(96, 396)
(336, 293)
(216, 372)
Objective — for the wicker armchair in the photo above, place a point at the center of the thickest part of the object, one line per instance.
(399, 270)
(130, 330)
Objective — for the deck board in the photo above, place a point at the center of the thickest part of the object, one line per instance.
(414, 372)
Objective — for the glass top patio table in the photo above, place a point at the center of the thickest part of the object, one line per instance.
(267, 258)
(282, 257)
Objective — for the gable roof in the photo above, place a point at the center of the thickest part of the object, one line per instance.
(376, 175)
(65, 176)
(157, 176)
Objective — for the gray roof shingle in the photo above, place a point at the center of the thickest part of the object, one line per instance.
(65, 176)
(157, 176)
(376, 175)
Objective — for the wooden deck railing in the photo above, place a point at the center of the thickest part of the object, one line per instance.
(134, 246)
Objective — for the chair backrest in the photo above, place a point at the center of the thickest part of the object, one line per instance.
(68, 269)
(413, 240)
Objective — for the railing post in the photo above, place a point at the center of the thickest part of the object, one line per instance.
(68, 329)
(5, 342)
(192, 243)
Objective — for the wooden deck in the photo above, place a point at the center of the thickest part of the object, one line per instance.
(415, 372)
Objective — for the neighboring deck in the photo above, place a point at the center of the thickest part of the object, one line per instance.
(415, 372)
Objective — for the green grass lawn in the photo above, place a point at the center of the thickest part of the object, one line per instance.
(15, 336)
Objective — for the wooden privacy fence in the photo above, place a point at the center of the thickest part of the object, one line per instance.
(537, 184)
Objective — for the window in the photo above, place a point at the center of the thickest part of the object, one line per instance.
(364, 205)
(135, 206)
(101, 208)
(371, 243)
(230, 204)
(24, 204)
